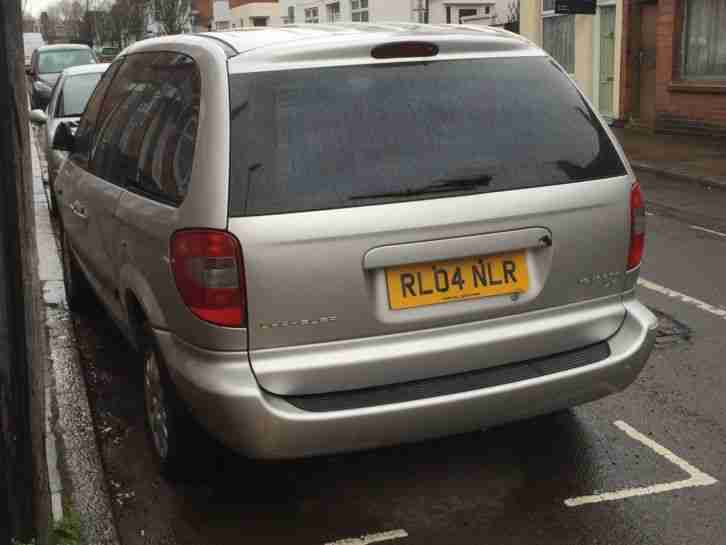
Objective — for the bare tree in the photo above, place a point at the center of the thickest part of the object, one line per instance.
(172, 15)
(127, 21)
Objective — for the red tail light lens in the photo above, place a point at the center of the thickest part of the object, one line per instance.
(209, 274)
(637, 226)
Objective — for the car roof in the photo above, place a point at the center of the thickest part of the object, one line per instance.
(62, 46)
(247, 39)
(342, 43)
(85, 69)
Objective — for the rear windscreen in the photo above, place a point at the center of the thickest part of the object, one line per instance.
(323, 138)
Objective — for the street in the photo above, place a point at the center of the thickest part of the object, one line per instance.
(642, 466)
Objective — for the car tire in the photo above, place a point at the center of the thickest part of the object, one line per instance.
(78, 290)
(174, 436)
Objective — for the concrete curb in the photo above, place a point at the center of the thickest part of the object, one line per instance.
(680, 174)
(71, 447)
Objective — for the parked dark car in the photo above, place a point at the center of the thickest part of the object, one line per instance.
(69, 98)
(46, 66)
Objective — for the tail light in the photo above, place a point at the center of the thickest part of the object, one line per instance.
(637, 226)
(209, 274)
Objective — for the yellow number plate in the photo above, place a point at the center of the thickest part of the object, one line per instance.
(424, 284)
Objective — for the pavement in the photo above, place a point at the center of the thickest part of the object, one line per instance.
(76, 478)
(694, 158)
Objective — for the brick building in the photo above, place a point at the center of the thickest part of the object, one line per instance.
(201, 15)
(245, 13)
(674, 66)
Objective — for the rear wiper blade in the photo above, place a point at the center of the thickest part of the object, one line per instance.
(443, 186)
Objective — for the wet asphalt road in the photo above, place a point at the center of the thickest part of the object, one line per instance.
(501, 486)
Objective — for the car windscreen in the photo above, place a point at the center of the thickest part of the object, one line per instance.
(75, 94)
(50, 62)
(314, 139)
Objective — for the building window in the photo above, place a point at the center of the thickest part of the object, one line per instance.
(487, 10)
(466, 12)
(704, 39)
(311, 15)
(418, 9)
(333, 12)
(259, 21)
(359, 11)
(558, 36)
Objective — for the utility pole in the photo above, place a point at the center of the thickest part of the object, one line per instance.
(17, 481)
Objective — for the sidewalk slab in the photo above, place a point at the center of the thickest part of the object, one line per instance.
(74, 464)
(691, 158)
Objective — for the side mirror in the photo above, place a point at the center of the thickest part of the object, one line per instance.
(29, 70)
(64, 139)
(38, 117)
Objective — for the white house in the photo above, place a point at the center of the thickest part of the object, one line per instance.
(246, 13)
(432, 11)
(222, 15)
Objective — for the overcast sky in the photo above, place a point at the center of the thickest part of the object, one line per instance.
(35, 6)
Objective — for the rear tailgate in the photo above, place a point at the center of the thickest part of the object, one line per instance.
(392, 231)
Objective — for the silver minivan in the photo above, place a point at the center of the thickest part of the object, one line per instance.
(332, 238)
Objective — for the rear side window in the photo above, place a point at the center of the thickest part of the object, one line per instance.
(148, 126)
(87, 128)
(338, 137)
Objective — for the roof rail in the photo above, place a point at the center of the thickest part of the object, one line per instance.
(229, 50)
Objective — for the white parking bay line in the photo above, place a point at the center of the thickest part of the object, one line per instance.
(706, 307)
(371, 538)
(711, 231)
(696, 476)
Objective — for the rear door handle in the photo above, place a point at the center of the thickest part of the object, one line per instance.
(454, 248)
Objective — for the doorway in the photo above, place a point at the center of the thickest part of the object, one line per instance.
(645, 65)
(606, 76)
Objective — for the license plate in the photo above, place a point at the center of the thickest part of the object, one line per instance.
(423, 284)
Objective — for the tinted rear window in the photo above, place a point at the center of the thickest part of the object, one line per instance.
(315, 139)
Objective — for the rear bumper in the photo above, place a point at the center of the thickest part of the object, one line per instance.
(224, 395)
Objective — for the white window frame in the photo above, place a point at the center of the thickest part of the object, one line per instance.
(331, 16)
(289, 17)
(682, 74)
(459, 9)
(546, 14)
(360, 11)
(312, 14)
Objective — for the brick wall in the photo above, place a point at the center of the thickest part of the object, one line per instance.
(204, 12)
(692, 106)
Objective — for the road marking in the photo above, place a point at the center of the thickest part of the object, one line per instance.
(696, 476)
(703, 305)
(371, 538)
(711, 231)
